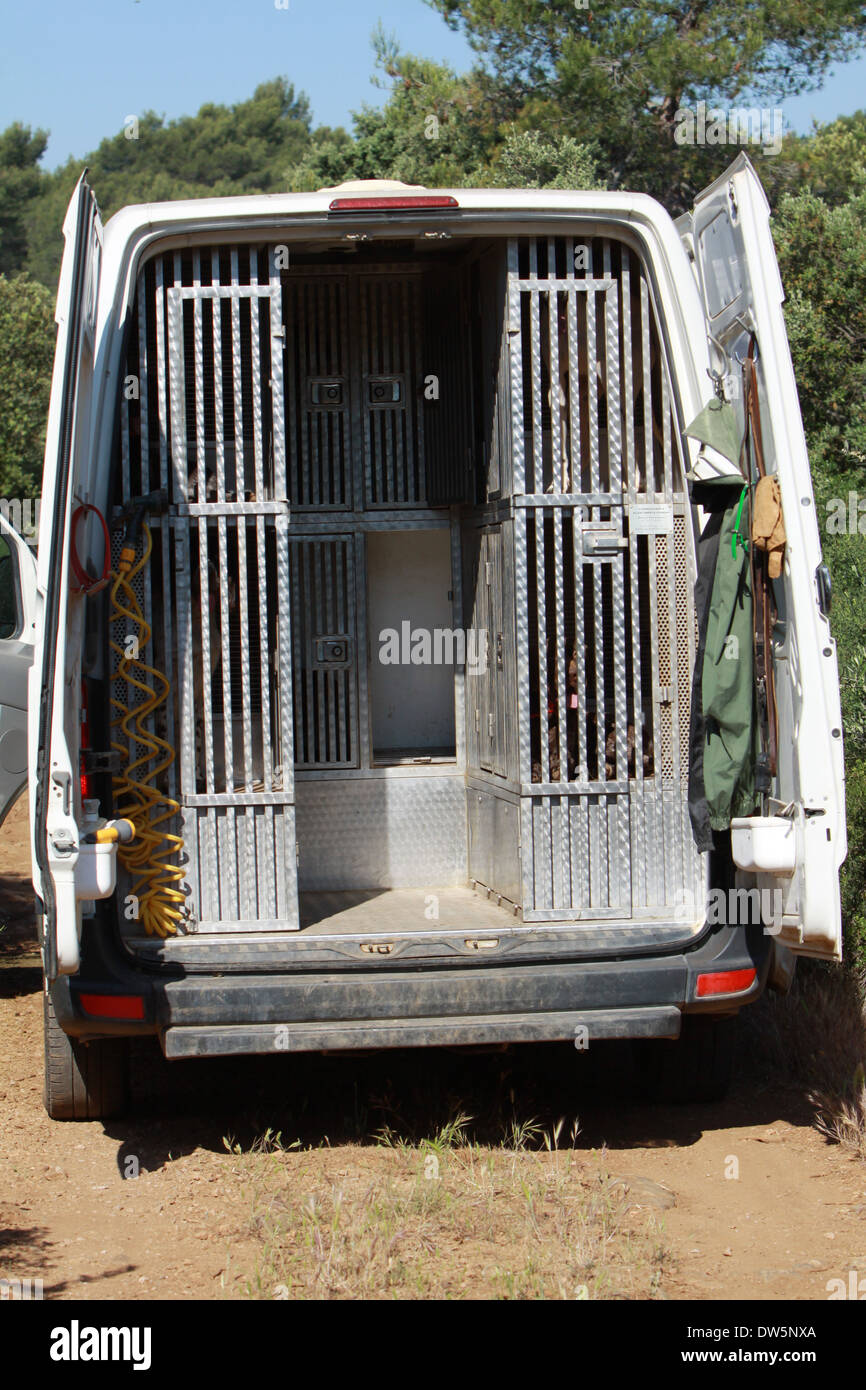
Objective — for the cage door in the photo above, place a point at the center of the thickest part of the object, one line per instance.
(227, 569)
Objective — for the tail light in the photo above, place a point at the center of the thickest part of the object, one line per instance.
(428, 202)
(129, 1006)
(725, 982)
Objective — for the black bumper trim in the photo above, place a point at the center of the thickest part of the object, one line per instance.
(580, 1028)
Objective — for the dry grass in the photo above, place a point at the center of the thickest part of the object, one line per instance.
(816, 1036)
(444, 1218)
(844, 1121)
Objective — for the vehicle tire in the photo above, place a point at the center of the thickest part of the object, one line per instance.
(698, 1066)
(83, 1081)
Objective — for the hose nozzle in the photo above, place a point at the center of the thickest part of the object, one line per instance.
(115, 832)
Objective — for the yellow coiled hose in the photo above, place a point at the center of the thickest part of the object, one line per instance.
(155, 881)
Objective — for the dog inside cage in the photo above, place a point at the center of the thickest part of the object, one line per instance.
(580, 715)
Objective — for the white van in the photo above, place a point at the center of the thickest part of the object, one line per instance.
(366, 631)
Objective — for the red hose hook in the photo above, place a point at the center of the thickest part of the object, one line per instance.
(86, 582)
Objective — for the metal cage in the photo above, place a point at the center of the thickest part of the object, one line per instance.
(288, 415)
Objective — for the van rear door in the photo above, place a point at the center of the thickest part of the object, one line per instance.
(728, 233)
(53, 711)
(17, 631)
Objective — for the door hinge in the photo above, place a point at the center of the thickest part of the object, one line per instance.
(95, 760)
(825, 590)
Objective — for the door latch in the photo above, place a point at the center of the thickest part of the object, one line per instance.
(333, 651)
(63, 843)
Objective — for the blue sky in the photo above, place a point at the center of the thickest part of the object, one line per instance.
(80, 67)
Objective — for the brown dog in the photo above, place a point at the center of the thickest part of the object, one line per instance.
(611, 768)
(569, 473)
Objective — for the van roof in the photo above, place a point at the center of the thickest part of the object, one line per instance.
(135, 229)
(270, 206)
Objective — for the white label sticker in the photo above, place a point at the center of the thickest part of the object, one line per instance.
(651, 519)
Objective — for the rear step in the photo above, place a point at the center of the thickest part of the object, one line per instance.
(595, 1025)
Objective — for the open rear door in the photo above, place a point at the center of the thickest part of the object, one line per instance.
(17, 632)
(53, 735)
(728, 234)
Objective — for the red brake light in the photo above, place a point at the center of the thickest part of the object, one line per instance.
(421, 203)
(112, 1005)
(725, 982)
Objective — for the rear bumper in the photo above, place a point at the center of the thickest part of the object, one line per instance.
(357, 1034)
(210, 1015)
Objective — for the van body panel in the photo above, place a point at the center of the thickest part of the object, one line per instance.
(348, 970)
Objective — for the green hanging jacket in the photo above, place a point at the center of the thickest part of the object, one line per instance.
(724, 737)
(727, 683)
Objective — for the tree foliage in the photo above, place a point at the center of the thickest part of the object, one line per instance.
(254, 146)
(20, 181)
(26, 353)
(618, 73)
(436, 127)
(830, 161)
(528, 159)
(820, 250)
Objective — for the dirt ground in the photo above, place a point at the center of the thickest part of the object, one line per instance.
(743, 1200)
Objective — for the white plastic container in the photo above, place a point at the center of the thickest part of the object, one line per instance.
(764, 844)
(96, 870)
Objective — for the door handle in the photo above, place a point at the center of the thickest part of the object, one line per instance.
(600, 542)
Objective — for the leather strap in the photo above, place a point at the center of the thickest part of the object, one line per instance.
(765, 606)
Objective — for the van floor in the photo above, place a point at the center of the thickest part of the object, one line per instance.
(398, 910)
